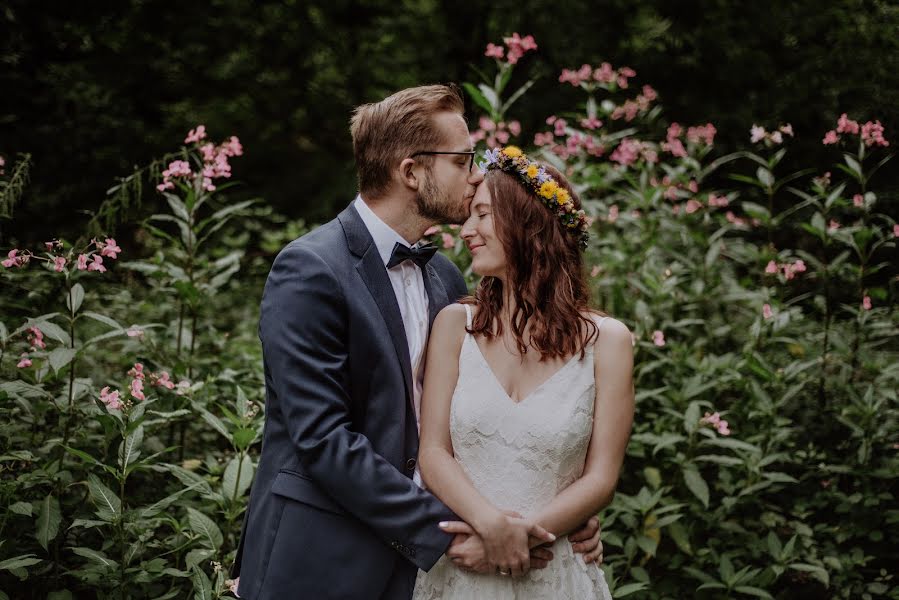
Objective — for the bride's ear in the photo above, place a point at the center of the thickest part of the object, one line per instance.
(407, 174)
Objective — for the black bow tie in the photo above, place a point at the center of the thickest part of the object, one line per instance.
(420, 256)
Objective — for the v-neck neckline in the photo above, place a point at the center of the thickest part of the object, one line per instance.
(499, 383)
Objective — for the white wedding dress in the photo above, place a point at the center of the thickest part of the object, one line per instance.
(520, 456)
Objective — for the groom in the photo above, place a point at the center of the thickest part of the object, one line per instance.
(337, 509)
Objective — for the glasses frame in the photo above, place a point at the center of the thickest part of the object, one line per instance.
(469, 153)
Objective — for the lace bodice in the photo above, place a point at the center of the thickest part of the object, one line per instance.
(520, 455)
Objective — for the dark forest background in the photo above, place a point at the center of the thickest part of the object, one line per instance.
(93, 89)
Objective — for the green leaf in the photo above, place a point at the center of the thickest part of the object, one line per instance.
(216, 423)
(75, 298)
(48, 520)
(753, 591)
(691, 417)
(817, 572)
(96, 556)
(60, 595)
(678, 533)
(478, 97)
(18, 562)
(108, 504)
(60, 357)
(234, 486)
(129, 450)
(244, 437)
(103, 319)
(628, 589)
(157, 507)
(204, 527)
(765, 177)
(697, 485)
(22, 508)
(202, 585)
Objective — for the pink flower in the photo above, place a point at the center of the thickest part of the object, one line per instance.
(233, 585)
(776, 137)
(595, 270)
(514, 128)
(766, 311)
(233, 147)
(12, 260)
(81, 262)
(787, 129)
(846, 125)
(627, 152)
(431, 230)
(36, 338)
(771, 268)
(833, 225)
(24, 362)
(542, 139)
(896, 230)
(111, 399)
(872, 134)
(559, 127)
(195, 135)
(692, 206)
(59, 263)
(137, 389)
(718, 200)
(97, 265)
(702, 133)
(135, 331)
(756, 134)
(722, 428)
(448, 240)
(162, 380)
(613, 213)
(591, 123)
(858, 200)
(182, 387)
(208, 152)
(710, 419)
(866, 302)
(799, 266)
(137, 371)
(830, 137)
(494, 51)
(658, 338)
(109, 248)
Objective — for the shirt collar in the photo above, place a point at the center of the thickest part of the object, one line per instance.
(383, 235)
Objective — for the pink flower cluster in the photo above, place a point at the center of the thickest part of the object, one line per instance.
(789, 269)
(658, 338)
(631, 108)
(516, 47)
(630, 150)
(871, 132)
(215, 161)
(495, 134)
(573, 142)
(773, 138)
(866, 302)
(604, 74)
(695, 135)
(715, 420)
(112, 399)
(2, 164)
(740, 221)
(766, 311)
(91, 260)
(718, 201)
(36, 341)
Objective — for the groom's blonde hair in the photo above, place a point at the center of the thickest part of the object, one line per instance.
(386, 132)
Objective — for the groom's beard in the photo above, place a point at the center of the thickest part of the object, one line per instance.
(432, 204)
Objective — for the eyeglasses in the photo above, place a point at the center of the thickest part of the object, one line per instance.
(469, 153)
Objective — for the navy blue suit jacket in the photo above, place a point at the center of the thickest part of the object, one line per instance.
(333, 511)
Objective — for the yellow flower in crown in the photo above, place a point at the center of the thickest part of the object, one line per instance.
(533, 170)
(562, 196)
(512, 151)
(548, 189)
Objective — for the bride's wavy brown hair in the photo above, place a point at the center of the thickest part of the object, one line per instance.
(545, 270)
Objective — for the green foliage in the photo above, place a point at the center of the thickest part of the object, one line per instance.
(141, 495)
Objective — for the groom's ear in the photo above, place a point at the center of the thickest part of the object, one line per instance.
(408, 175)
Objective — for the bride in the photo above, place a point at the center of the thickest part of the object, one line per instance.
(528, 397)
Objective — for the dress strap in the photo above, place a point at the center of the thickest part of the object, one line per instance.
(467, 315)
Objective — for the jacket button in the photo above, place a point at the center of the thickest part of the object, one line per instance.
(410, 464)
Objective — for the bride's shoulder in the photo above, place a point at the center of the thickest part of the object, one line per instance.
(451, 321)
(611, 333)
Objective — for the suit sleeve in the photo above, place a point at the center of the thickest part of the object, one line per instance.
(303, 328)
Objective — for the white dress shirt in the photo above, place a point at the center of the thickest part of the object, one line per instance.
(409, 288)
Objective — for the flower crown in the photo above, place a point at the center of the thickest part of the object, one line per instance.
(535, 178)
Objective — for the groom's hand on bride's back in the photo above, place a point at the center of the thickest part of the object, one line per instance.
(587, 541)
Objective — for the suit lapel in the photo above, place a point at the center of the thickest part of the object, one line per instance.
(372, 271)
(437, 297)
